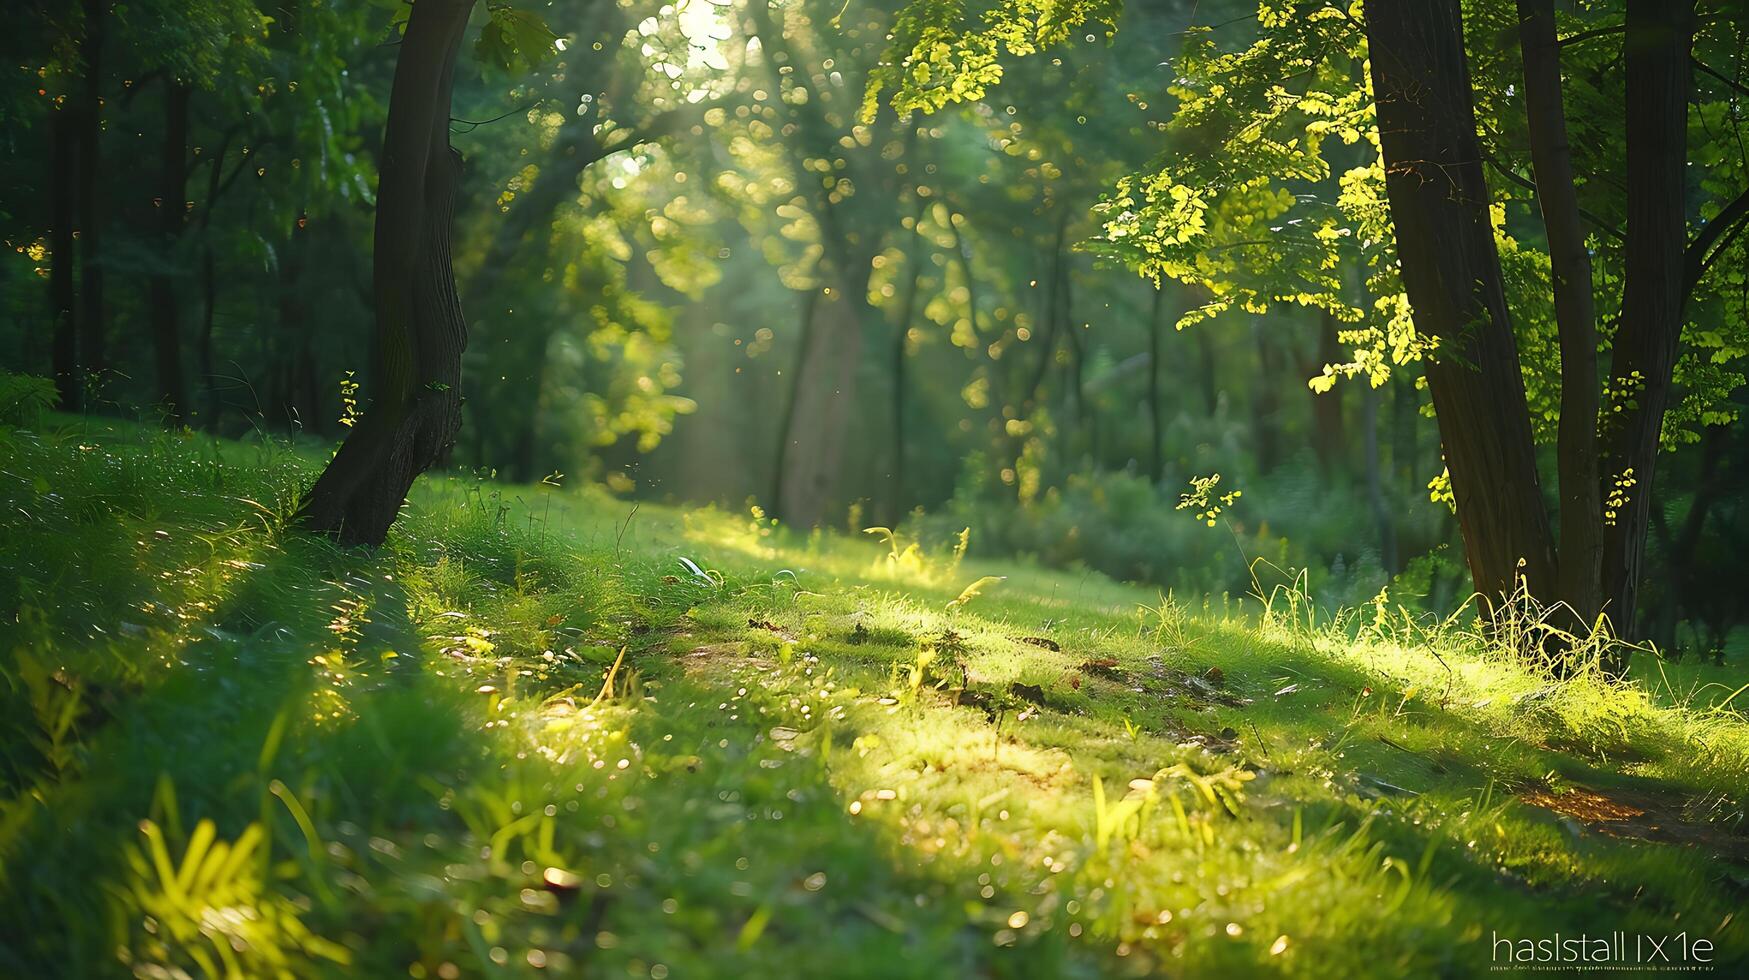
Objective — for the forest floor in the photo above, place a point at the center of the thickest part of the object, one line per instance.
(227, 745)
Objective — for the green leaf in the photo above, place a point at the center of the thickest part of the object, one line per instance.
(514, 40)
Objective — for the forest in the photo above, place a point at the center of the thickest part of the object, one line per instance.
(873, 488)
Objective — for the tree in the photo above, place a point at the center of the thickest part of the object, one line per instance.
(1580, 582)
(819, 142)
(1246, 205)
(1451, 272)
(1658, 36)
(415, 409)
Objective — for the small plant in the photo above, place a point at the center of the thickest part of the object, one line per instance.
(1125, 816)
(974, 590)
(1206, 499)
(213, 910)
(24, 398)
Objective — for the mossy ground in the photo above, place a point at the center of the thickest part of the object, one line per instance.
(227, 745)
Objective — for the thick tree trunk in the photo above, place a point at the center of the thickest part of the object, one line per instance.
(1659, 33)
(1451, 271)
(1581, 544)
(93, 356)
(161, 289)
(69, 376)
(415, 405)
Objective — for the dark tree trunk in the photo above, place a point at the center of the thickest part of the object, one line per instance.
(1657, 65)
(93, 357)
(1679, 550)
(1451, 272)
(291, 393)
(161, 289)
(804, 344)
(1581, 514)
(1330, 435)
(69, 375)
(414, 411)
(1156, 411)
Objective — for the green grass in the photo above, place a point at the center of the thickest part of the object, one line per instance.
(227, 747)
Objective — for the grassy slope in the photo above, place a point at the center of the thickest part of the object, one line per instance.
(780, 781)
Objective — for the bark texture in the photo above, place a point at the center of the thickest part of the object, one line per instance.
(1656, 53)
(414, 413)
(1451, 271)
(1581, 513)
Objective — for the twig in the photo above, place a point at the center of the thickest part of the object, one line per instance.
(474, 124)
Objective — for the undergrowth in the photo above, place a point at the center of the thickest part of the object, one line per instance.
(544, 729)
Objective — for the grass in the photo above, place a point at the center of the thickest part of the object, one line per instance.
(548, 730)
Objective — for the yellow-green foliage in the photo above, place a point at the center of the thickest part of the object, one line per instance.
(524, 740)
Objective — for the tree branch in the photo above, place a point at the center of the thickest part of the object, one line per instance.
(1530, 185)
(1700, 254)
(1708, 69)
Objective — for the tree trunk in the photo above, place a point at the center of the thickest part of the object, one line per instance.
(69, 376)
(161, 289)
(819, 414)
(786, 421)
(1657, 66)
(88, 221)
(291, 391)
(1451, 272)
(901, 341)
(415, 408)
(820, 410)
(1581, 513)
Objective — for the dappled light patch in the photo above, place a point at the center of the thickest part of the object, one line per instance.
(579, 757)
